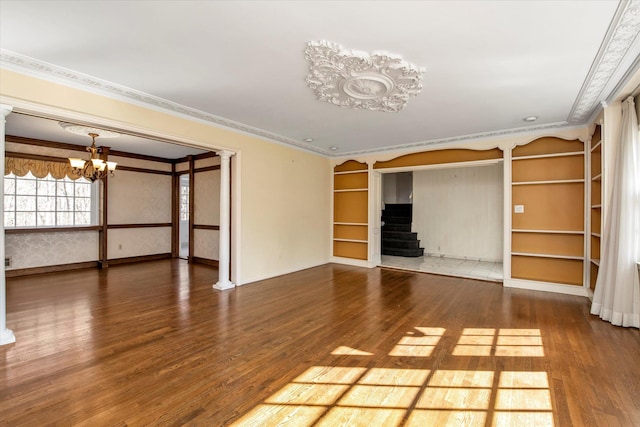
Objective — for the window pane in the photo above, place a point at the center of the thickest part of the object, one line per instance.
(46, 204)
(83, 189)
(9, 185)
(26, 187)
(46, 219)
(25, 219)
(83, 205)
(25, 203)
(65, 188)
(46, 188)
(9, 219)
(9, 203)
(83, 218)
(65, 218)
(65, 204)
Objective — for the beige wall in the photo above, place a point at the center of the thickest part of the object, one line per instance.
(283, 203)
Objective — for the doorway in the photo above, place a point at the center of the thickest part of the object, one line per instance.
(457, 216)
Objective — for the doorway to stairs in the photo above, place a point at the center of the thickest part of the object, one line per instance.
(445, 221)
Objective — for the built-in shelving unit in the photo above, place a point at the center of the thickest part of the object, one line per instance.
(350, 210)
(547, 237)
(595, 160)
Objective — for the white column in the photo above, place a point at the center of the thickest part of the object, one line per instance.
(6, 335)
(225, 222)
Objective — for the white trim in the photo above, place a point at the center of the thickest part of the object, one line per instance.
(506, 212)
(595, 261)
(545, 287)
(596, 235)
(351, 261)
(595, 147)
(596, 206)
(596, 177)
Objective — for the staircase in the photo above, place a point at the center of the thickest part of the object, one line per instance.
(397, 238)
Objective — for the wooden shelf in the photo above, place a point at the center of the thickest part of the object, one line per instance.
(596, 206)
(595, 261)
(555, 181)
(519, 230)
(350, 240)
(597, 177)
(595, 235)
(350, 223)
(579, 258)
(350, 189)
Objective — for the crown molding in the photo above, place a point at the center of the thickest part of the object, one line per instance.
(35, 68)
(620, 37)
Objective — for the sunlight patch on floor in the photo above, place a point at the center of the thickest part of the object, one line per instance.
(393, 396)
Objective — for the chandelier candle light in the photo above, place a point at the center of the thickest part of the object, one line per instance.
(95, 168)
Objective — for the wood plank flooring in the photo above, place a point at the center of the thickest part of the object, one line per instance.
(153, 344)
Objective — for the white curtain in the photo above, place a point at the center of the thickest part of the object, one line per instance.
(617, 294)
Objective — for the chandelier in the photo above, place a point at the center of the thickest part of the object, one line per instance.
(96, 167)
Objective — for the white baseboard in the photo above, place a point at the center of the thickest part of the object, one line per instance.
(354, 262)
(546, 287)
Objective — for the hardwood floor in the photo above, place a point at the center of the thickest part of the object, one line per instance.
(153, 344)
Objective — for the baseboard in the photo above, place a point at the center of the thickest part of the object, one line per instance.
(205, 261)
(128, 260)
(18, 272)
(355, 262)
(546, 287)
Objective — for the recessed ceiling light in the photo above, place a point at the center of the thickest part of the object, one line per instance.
(530, 119)
(333, 148)
(308, 140)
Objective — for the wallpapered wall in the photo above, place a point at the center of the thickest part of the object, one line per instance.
(42, 249)
(458, 212)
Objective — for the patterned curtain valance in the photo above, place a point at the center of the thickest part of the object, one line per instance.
(39, 168)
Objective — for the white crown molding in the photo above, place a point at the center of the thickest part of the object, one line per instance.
(377, 81)
(32, 67)
(621, 35)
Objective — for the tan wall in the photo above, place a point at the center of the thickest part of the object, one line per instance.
(284, 195)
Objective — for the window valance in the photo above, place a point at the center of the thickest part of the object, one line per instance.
(39, 168)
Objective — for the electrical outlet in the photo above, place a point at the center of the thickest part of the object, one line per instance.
(7, 262)
(518, 208)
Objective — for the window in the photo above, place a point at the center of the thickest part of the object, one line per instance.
(184, 200)
(48, 202)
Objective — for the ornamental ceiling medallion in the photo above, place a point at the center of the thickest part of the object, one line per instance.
(378, 81)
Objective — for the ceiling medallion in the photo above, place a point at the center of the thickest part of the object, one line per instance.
(378, 81)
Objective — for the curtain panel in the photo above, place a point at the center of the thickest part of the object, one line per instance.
(616, 298)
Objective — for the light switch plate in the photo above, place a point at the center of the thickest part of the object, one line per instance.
(518, 208)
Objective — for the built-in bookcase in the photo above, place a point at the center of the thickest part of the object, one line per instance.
(548, 192)
(350, 210)
(596, 205)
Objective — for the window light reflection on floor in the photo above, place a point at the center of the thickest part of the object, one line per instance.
(392, 396)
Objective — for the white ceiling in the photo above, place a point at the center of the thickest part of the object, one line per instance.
(241, 64)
